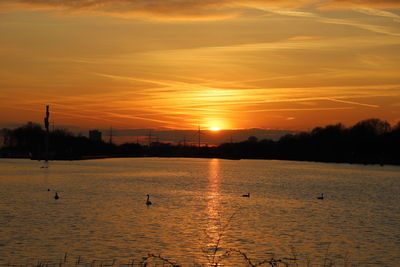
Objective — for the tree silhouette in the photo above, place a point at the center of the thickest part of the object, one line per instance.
(368, 141)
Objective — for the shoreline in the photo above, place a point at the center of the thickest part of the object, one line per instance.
(94, 157)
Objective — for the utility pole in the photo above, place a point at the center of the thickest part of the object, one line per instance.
(46, 125)
(199, 133)
(149, 138)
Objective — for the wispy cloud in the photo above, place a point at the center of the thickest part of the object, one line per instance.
(307, 43)
(353, 103)
(364, 26)
(345, 4)
(298, 109)
(349, 22)
(196, 97)
(378, 12)
(187, 104)
(156, 9)
(190, 9)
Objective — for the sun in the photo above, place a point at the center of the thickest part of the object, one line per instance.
(214, 128)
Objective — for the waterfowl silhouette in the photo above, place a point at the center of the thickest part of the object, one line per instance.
(246, 195)
(148, 202)
(321, 197)
(56, 196)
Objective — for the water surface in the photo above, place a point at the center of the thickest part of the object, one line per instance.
(102, 213)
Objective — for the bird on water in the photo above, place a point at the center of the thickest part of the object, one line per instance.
(56, 196)
(246, 195)
(321, 197)
(148, 202)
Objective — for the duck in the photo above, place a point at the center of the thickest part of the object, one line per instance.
(148, 202)
(321, 197)
(246, 195)
(56, 196)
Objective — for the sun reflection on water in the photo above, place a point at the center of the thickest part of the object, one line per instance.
(213, 196)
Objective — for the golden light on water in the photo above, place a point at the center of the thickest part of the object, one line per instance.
(214, 202)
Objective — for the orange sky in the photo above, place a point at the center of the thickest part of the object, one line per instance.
(178, 64)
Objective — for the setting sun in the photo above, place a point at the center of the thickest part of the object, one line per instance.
(214, 128)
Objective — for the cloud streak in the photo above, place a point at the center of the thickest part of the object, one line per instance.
(156, 9)
(364, 26)
(345, 4)
(379, 13)
(191, 9)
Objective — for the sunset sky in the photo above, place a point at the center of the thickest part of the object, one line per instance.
(231, 64)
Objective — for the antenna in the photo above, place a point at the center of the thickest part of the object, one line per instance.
(111, 135)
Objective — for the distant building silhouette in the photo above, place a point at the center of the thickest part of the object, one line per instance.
(95, 135)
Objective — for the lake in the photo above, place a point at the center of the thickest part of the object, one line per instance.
(101, 214)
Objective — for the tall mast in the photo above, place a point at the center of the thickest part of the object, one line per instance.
(46, 125)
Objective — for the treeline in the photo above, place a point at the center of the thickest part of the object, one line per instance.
(371, 141)
(28, 141)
